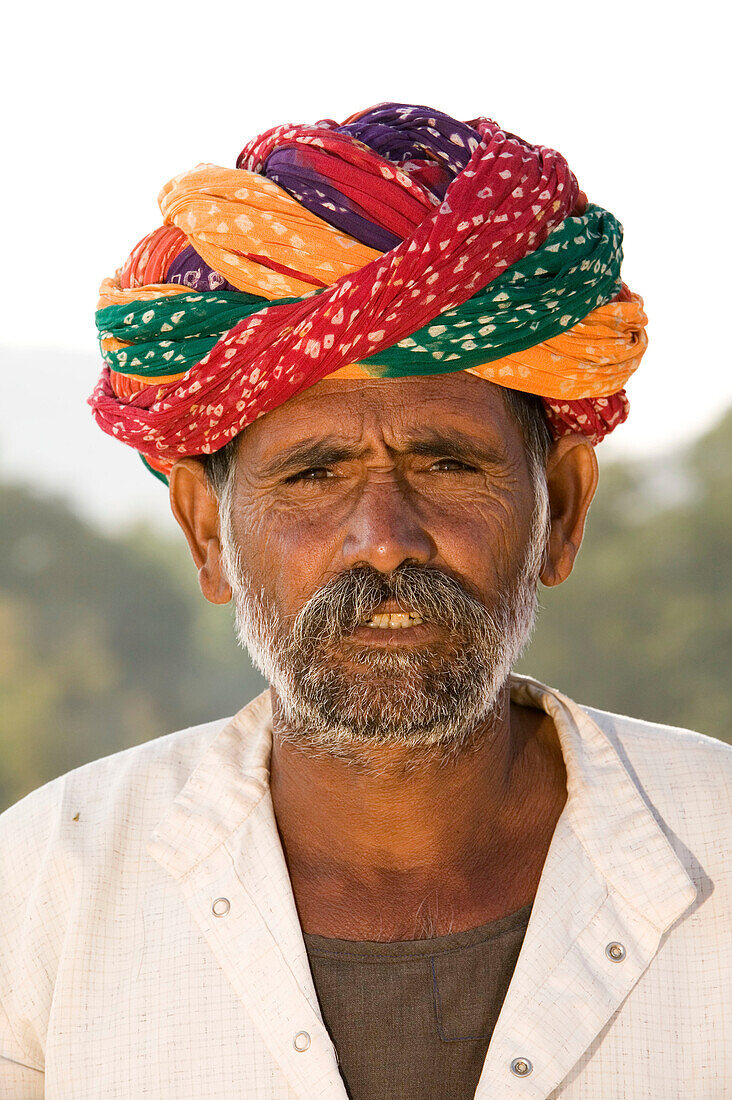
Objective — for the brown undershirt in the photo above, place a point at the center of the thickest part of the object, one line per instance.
(411, 1020)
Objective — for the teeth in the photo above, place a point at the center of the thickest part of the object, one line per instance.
(396, 621)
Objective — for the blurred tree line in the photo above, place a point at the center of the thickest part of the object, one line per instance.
(106, 641)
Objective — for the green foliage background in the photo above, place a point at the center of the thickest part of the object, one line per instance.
(106, 642)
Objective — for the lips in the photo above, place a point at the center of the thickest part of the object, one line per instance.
(394, 620)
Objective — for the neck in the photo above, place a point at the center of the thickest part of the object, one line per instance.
(370, 839)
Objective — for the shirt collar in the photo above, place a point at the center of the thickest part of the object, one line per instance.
(227, 783)
(608, 811)
(605, 806)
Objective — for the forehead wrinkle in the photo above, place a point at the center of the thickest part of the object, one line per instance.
(430, 442)
(473, 419)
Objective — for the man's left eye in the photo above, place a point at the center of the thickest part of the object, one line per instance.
(451, 462)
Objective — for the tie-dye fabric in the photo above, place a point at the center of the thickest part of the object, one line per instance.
(579, 265)
(445, 246)
(350, 192)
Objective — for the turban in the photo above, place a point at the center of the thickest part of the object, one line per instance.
(401, 242)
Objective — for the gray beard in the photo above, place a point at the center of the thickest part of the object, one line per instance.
(337, 697)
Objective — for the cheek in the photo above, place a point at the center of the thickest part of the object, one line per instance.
(288, 549)
(482, 536)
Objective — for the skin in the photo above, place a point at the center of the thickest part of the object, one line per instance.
(381, 854)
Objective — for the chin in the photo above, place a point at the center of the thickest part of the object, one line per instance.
(388, 705)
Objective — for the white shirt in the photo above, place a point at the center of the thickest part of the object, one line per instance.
(150, 944)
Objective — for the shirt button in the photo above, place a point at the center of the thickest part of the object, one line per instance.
(521, 1067)
(221, 907)
(301, 1041)
(615, 952)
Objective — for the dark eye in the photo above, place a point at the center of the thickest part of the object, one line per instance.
(454, 463)
(314, 473)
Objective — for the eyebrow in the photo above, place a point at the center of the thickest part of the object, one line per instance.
(434, 443)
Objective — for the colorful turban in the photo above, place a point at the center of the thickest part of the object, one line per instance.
(401, 242)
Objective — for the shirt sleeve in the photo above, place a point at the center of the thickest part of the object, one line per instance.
(17, 1077)
(35, 882)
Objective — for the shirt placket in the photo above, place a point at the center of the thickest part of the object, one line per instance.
(245, 909)
(583, 954)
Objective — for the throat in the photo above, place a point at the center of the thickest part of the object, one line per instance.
(336, 910)
(445, 849)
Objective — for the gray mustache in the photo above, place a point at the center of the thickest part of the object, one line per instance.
(337, 608)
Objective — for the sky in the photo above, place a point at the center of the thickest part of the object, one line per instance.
(104, 104)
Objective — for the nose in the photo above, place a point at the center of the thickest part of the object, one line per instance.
(385, 529)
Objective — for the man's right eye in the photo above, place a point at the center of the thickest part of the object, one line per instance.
(313, 473)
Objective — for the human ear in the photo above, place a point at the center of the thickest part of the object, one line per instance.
(571, 477)
(195, 508)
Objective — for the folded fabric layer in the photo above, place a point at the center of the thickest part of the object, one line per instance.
(578, 267)
(251, 231)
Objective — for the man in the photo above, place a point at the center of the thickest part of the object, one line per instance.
(403, 871)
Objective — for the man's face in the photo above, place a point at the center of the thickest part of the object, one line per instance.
(383, 548)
